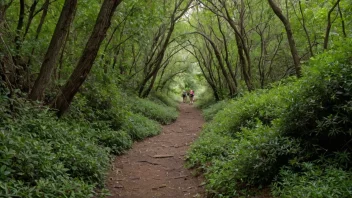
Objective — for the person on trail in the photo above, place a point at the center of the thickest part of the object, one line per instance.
(191, 96)
(184, 96)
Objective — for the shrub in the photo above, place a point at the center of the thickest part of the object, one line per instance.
(205, 100)
(117, 141)
(313, 181)
(254, 159)
(207, 147)
(320, 111)
(51, 187)
(164, 99)
(140, 127)
(212, 110)
(158, 112)
(40, 155)
(264, 105)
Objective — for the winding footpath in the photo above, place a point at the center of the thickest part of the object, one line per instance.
(155, 167)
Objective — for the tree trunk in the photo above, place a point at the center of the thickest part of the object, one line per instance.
(80, 73)
(305, 29)
(3, 8)
(39, 28)
(147, 91)
(290, 38)
(19, 27)
(242, 49)
(342, 21)
(52, 54)
(328, 27)
(30, 17)
(227, 61)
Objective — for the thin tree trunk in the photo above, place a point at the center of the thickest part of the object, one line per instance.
(3, 8)
(39, 28)
(342, 21)
(243, 51)
(290, 38)
(52, 54)
(30, 17)
(220, 61)
(328, 27)
(305, 30)
(80, 73)
(19, 27)
(227, 61)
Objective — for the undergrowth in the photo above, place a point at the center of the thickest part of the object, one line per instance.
(276, 137)
(43, 156)
(156, 111)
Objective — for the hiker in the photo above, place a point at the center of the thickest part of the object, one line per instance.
(184, 96)
(191, 96)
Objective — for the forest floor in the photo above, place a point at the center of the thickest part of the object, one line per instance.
(155, 167)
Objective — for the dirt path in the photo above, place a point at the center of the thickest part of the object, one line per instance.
(155, 167)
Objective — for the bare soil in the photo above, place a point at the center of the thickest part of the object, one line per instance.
(155, 167)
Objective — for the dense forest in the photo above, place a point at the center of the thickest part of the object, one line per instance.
(82, 80)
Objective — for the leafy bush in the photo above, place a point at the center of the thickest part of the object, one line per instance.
(41, 155)
(158, 112)
(163, 99)
(314, 181)
(140, 127)
(207, 147)
(253, 159)
(100, 102)
(264, 105)
(205, 100)
(213, 109)
(51, 187)
(117, 141)
(295, 122)
(320, 111)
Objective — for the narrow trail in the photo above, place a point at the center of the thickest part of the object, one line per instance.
(155, 167)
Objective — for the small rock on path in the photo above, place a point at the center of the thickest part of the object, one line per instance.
(155, 167)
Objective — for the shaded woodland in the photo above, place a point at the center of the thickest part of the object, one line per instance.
(81, 80)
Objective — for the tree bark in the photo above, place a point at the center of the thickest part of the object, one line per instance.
(342, 21)
(30, 17)
(227, 61)
(303, 23)
(80, 73)
(19, 27)
(328, 27)
(45, 8)
(3, 8)
(290, 38)
(221, 63)
(52, 54)
(242, 49)
(155, 65)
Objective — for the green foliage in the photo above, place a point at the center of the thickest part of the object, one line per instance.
(207, 147)
(264, 105)
(213, 109)
(153, 110)
(254, 159)
(320, 110)
(314, 181)
(163, 99)
(140, 127)
(51, 157)
(117, 141)
(45, 156)
(205, 100)
(51, 187)
(296, 121)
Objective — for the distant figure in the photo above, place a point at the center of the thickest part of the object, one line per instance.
(184, 96)
(191, 96)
